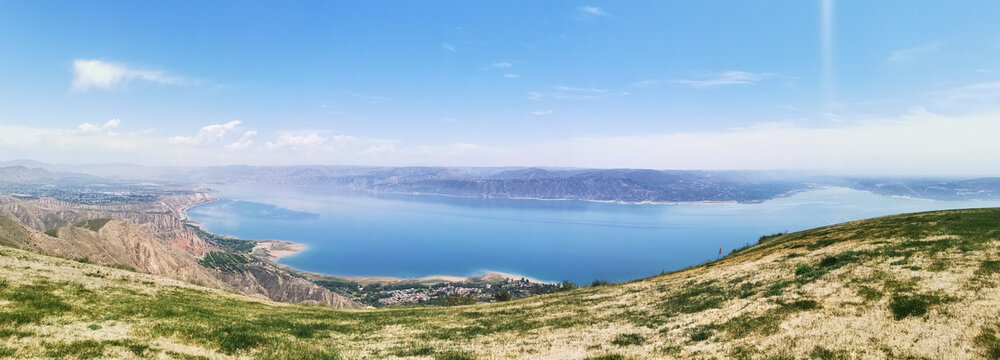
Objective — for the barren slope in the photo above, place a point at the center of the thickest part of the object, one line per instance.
(119, 244)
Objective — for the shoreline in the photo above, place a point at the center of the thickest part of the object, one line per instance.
(619, 202)
(489, 276)
(273, 250)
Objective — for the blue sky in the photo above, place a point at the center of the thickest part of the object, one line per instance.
(656, 84)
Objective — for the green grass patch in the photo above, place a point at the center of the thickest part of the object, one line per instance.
(224, 261)
(823, 353)
(988, 268)
(601, 282)
(453, 355)
(700, 333)
(85, 349)
(607, 357)
(917, 305)
(869, 293)
(988, 341)
(415, 351)
(223, 242)
(6, 351)
(93, 224)
(803, 269)
(696, 297)
(31, 303)
(628, 339)
(768, 322)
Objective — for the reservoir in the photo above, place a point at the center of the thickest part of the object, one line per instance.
(412, 236)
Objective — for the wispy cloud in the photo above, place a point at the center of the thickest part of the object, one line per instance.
(304, 141)
(542, 112)
(511, 76)
(107, 128)
(105, 75)
(589, 12)
(645, 83)
(449, 48)
(502, 65)
(910, 54)
(967, 96)
(207, 134)
(731, 77)
(573, 93)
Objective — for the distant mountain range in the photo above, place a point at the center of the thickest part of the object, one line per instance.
(621, 185)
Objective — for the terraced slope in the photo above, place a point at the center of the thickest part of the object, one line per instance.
(913, 286)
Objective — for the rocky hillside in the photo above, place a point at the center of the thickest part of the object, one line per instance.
(915, 286)
(120, 244)
(259, 277)
(109, 242)
(160, 218)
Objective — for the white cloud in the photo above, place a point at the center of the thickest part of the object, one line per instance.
(104, 75)
(448, 47)
(206, 135)
(501, 65)
(84, 141)
(88, 128)
(542, 112)
(511, 76)
(305, 141)
(732, 77)
(908, 55)
(974, 93)
(588, 12)
(244, 141)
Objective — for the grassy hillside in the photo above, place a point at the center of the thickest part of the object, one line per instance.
(913, 286)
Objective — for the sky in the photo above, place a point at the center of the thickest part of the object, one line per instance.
(895, 87)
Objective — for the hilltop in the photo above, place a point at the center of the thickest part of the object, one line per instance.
(922, 285)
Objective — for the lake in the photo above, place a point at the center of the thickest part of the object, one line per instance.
(413, 236)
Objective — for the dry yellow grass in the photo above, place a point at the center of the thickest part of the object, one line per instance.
(919, 286)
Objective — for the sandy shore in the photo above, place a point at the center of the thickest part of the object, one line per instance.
(492, 276)
(272, 250)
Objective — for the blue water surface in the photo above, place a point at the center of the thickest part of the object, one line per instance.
(418, 235)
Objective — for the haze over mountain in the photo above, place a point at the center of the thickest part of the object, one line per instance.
(623, 185)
